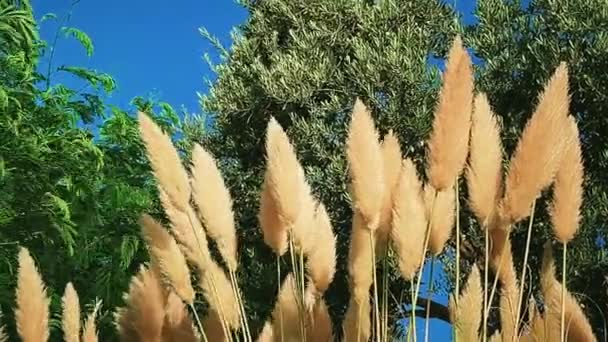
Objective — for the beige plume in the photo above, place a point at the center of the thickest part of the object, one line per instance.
(284, 175)
(286, 314)
(357, 324)
(214, 204)
(165, 162)
(142, 318)
(89, 333)
(409, 221)
(442, 206)
(322, 259)
(539, 150)
(568, 189)
(449, 141)
(509, 295)
(577, 325)
(274, 232)
(360, 258)
(365, 166)
(267, 333)
(213, 327)
(71, 314)
(391, 157)
(166, 254)
(177, 326)
(32, 313)
(484, 172)
(467, 314)
(219, 294)
(320, 327)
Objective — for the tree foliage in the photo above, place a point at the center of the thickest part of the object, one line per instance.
(304, 62)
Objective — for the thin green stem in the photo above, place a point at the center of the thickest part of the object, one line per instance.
(523, 271)
(563, 318)
(428, 303)
(198, 322)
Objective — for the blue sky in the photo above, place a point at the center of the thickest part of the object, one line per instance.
(154, 47)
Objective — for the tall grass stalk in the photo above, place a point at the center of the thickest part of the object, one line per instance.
(198, 322)
(563, 310)
(523, 270)
(237, 292)
(278, 293)
(485, 283)
(385, 293)
(298, 292)
(372, 243)
(428, 303)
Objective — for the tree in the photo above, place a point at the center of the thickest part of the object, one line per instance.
(72, 193)
(304, 62)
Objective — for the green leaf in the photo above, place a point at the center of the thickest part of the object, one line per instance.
(95, 79)
(48, 16)
(82, 37)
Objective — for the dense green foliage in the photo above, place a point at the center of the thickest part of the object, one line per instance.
(72, 190)
(304, 62)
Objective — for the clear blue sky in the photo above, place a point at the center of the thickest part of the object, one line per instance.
(154, 47)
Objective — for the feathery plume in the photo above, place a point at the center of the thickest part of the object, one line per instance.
(467, 314)
(409, 221)
(577, 325)
(360, 259)
(267, 333)
(177, 326)
(274, 232)
(165, 162)
(357, 324)
(539, 150)
(71, 314)
(167, 255)
(142, 318)
(449, 141)
(508, 310)
(89, 333)
(287, 312)
(322, 259)
(500, 252)
(568, 189)
(320, 327)
(219, 294)
(214, 204)
(442, 208)
(365, 165)
(284, 175)
(484, 172)
(188, 231)
(32, 313)
(391, 157)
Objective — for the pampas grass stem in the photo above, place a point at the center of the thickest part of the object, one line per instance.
(428, 303)
(278, 293)
(457, 213)
(376, 308)
(485, 282)
(198, 322)
(563, 311)
(523, 269)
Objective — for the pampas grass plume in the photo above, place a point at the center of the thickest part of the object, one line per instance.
(89, 333)
(409, 221)
(167, 255)
(322, 259)
(32, 313)
(71, 314)
(391, 157)
(448, 144)
(365, 165)
(360, 259)
(484, 172)
(219, 294)
(467, 314)
(539, 150)
(443, 209)
(215, 204)
(568, 189)
(274, 232)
